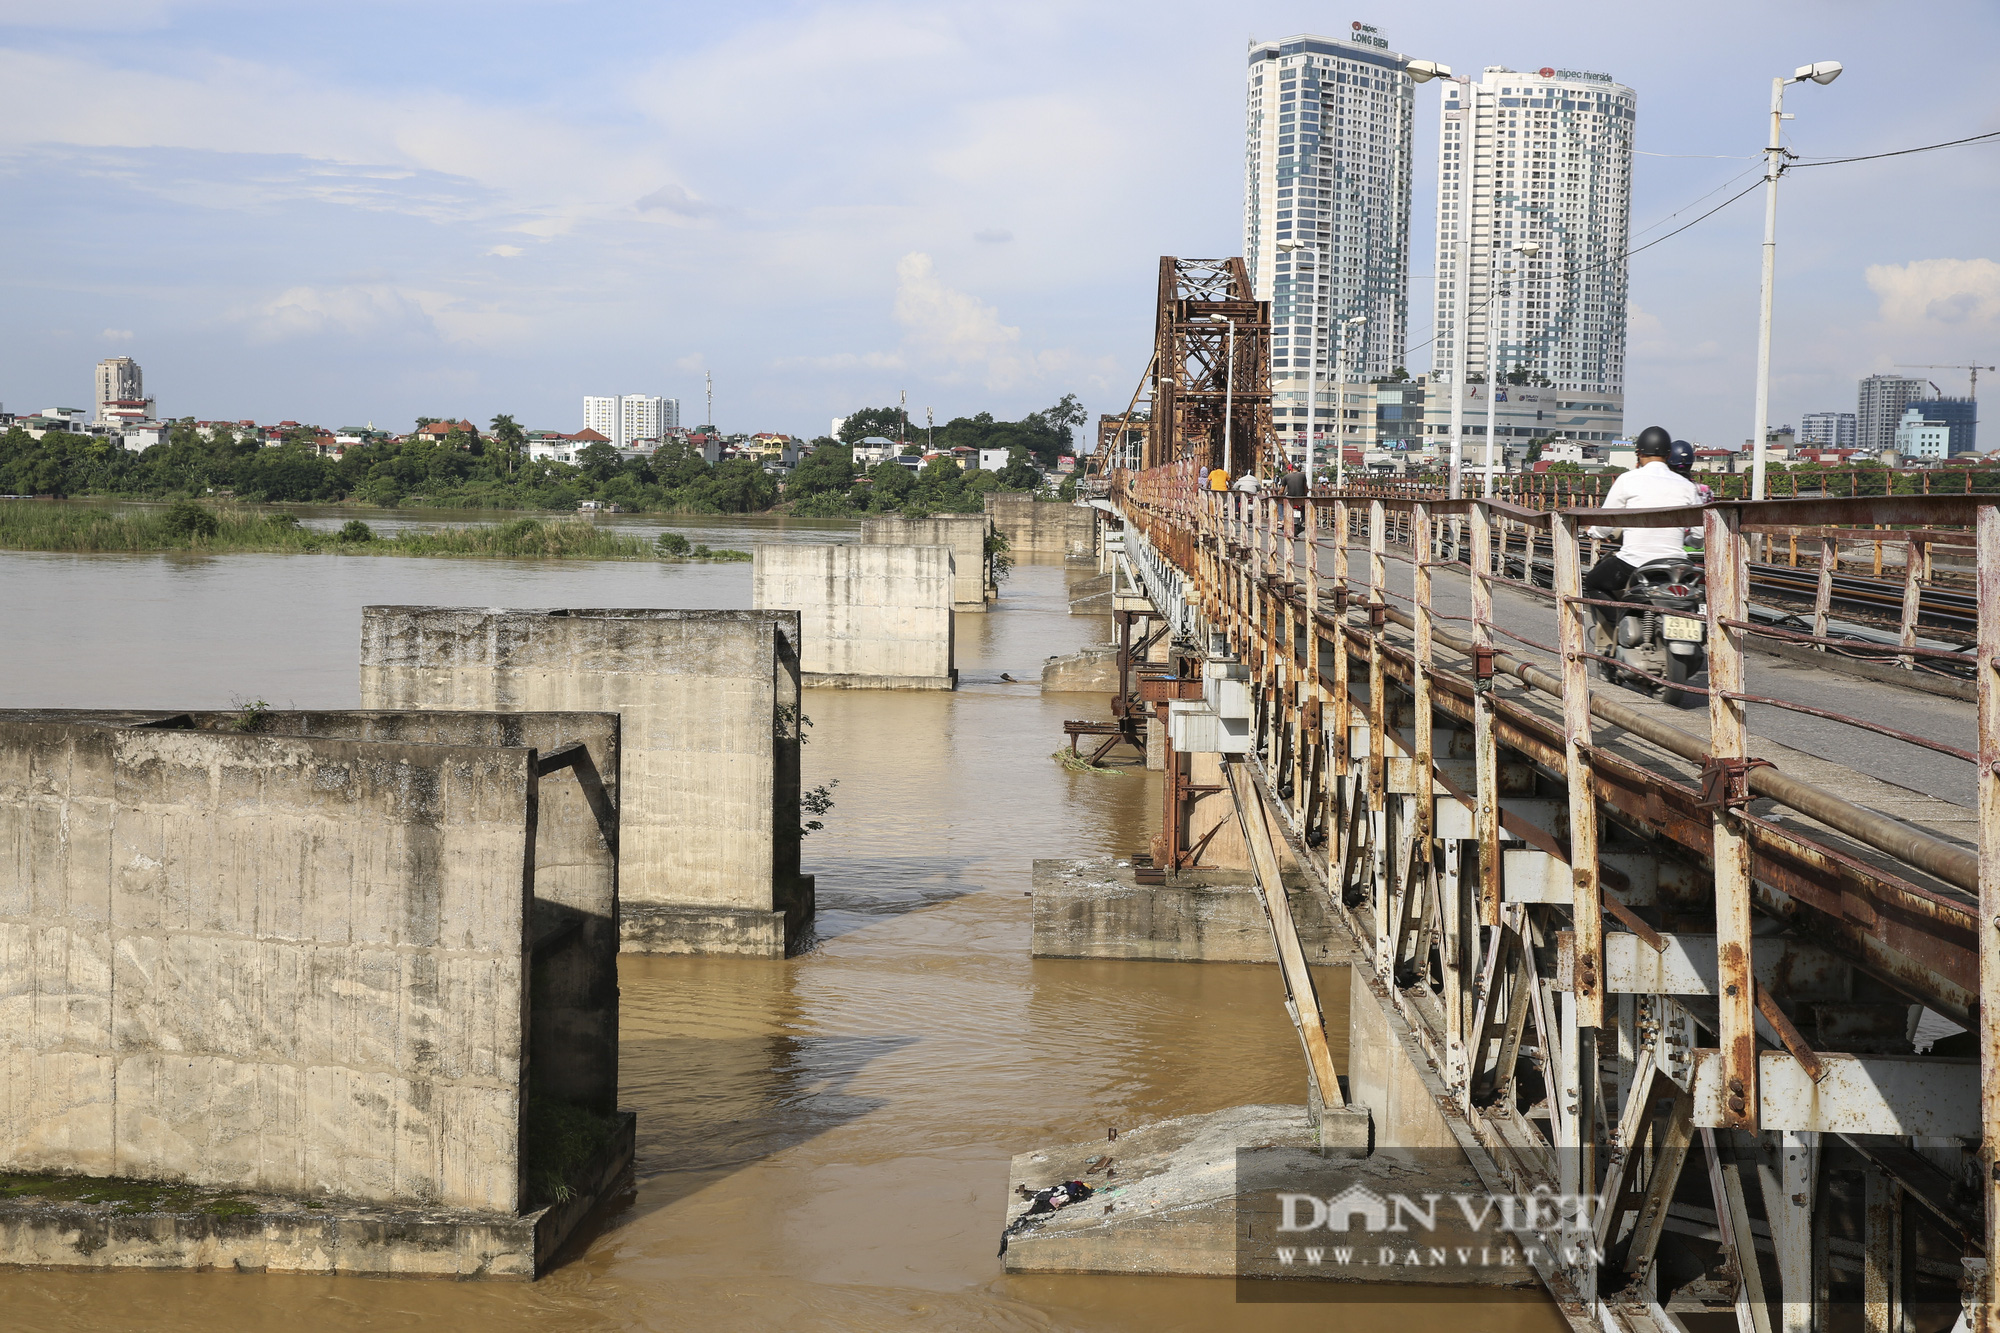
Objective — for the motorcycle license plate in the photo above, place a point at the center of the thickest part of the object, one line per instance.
(1681, 628)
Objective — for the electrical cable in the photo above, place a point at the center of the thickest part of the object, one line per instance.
(1784, 167)
(1900, 152)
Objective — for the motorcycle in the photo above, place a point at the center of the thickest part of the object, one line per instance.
(1669, 642)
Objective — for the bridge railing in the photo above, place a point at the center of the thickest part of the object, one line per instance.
(1467, 896)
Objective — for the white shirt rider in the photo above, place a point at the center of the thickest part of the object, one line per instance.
(1654, 486)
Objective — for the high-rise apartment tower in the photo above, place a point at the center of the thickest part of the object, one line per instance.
(633, 416)
(1879, 409)
(1326, 211)
(1542, 157)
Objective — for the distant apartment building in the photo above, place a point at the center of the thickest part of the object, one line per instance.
(1960, 414)
(1326, 209)
(1831, 430)
(1919, 437)
(121, 393)
(1525, 412)
(1540, 159)
(623, 418)
(1879, 409)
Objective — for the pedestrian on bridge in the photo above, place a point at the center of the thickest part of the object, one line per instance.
(1218, 480)
(1295, 496)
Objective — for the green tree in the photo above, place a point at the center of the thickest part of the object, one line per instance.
(510, 441)
(598, 460)
(890, 485)
(886, 422)
(1019, 474)
(828, 469)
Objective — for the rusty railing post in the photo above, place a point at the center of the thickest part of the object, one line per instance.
(1912, 595)
(1987, 528)
(1829, 565)
(1379, 719)
(1729, 600)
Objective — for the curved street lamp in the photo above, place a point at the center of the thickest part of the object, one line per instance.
(1820, 72)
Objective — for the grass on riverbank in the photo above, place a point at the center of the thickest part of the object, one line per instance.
(56, 526)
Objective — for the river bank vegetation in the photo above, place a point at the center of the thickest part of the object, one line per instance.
(472, 468)
(31, 525)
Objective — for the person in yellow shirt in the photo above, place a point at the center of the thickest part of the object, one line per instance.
(1218, 480)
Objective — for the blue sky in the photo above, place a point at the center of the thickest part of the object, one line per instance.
(351, 212)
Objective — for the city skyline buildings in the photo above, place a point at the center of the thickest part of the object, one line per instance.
(1539, 159)
(1328, 141)
(623, 418)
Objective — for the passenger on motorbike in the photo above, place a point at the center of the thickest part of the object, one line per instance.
(1680, 458)
(1651, 485)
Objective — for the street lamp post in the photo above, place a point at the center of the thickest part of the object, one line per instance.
(1527, 249)
(1228, 396)
(1821, 72)
(1340, 405)
(1312, 359)
(1423, 71)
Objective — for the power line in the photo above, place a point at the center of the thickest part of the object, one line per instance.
(1603, 263)
(1697, 199)
(1828, 162)
(1900, 152)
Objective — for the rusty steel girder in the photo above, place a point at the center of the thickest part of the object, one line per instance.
(1192, 388)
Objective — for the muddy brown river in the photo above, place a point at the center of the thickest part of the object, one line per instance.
(823, 1142)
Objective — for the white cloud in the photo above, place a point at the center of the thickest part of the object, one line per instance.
(380, 312)
(1938, 295)
(956, 336)
(952, 325)
(118, 335)
(226, 104)
(507, 251)
(677, 201)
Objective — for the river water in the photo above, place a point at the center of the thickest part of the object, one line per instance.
(823, 1141)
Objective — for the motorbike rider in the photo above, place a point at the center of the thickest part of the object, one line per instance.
(1651, 485)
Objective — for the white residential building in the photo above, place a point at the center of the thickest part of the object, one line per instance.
(1542, 157)
(1327, 169)
(633, 416)
(1918, 437)
(1833, 430)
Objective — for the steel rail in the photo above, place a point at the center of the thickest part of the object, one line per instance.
(1957, 866)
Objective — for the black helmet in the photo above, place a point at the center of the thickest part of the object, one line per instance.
(1680, 456)
(1653, 440)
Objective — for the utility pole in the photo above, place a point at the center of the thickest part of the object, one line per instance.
(711, 396)
(930, 432)
(903, 410)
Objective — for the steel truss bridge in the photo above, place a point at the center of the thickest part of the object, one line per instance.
(1659, 966)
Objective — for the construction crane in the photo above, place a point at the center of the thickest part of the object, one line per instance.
(1973, 371)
